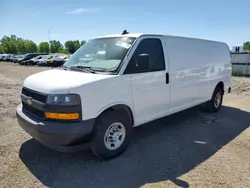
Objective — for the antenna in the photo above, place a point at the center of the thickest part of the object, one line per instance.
(125, 32)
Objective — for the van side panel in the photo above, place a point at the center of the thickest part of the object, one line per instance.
(196, 67)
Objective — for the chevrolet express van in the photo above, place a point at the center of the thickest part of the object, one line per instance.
(114, 83)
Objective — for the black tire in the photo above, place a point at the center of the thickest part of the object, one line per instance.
(212, 105)
(102, 124)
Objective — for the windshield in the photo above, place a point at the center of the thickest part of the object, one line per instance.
(102, 54)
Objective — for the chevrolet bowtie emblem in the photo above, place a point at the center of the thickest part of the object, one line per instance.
(29, 101)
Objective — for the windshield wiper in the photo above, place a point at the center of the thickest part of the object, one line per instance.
(83, 68)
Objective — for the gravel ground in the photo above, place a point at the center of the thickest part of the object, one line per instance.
(188, 149)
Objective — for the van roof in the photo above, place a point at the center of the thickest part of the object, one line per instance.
(136, 35)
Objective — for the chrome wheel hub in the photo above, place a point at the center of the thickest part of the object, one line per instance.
(114, 136)
(217, 100)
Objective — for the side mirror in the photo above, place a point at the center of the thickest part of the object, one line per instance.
(142, 63)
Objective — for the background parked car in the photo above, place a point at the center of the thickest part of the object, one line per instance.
(29, 56)
(57, 60)
(43, 60)
(17, 58)
(2, 57)
(9, 57)
(33, 61)
(12, 58)
(5, 57)
(67, 58)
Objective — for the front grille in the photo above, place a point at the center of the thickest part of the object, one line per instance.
(33, 111)
(34, 95)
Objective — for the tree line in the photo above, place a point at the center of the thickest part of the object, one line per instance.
(17, 45)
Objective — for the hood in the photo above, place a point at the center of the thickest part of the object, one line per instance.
(57, 81)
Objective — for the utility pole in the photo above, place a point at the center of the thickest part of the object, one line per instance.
(49, 35)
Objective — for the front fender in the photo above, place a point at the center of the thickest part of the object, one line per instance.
(101, 110)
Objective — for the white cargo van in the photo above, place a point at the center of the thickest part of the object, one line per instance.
(117, 82)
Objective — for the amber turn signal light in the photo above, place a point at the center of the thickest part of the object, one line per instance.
(60, 116)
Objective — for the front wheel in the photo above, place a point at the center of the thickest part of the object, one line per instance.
(215, 103)
(111, 135)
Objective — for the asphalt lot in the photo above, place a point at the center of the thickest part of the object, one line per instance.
(189, 149)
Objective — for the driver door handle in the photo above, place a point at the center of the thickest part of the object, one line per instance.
(167, 78)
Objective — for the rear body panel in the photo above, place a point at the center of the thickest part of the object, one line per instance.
(196, 67)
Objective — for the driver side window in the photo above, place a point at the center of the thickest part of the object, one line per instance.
(152, 47)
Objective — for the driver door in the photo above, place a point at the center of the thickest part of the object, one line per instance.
(150, 87)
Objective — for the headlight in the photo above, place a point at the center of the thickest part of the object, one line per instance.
(64, 99)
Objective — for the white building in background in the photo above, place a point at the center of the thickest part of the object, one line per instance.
(238, 49)
(241, 60)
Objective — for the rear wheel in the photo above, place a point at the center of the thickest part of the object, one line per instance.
(111, 136)
(215, 103)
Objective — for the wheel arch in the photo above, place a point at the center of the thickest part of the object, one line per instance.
(119, 107)
(221, 85)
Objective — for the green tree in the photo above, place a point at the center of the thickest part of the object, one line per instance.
(83, 42)
(63, 51)
(30, 46)
(12, 47)
(1, 49)
(21, 48)
(43, 47)
(13, 37)
(6, 43)
(16, 45)
(9, 44)
(55, 46)
(246, 45)
(72, 46)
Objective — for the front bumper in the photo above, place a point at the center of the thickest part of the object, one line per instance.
(61, 136)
